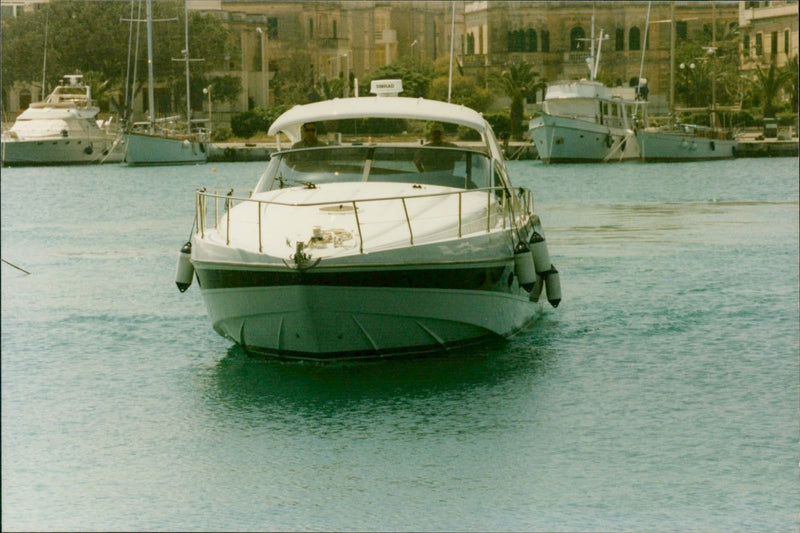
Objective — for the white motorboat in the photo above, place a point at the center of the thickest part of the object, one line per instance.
(155, 142)
(363, 248)
(585, 121)
(61, 130)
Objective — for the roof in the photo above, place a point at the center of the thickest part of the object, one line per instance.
(376, 107)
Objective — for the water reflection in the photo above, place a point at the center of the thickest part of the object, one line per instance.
(296, 394)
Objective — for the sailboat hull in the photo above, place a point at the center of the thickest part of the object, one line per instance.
(155, 150)
(665, 146)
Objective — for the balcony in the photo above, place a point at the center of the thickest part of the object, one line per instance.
(386, 37)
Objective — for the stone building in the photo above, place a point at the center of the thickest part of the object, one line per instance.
(327, 39)
(554, 37)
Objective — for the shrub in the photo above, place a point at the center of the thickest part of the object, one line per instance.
(246, 124)
(786, 118)
(221, 134)
(743, 119)
(500, 122)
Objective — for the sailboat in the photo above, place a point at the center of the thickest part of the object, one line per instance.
(585, 121)
(686, 142)
(153, 143)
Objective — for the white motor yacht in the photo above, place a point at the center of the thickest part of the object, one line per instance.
(371, 244)
(61, 130)
(585, 121)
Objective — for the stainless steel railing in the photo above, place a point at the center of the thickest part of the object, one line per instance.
(510, 208)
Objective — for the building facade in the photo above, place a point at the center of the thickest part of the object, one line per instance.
(347, 40)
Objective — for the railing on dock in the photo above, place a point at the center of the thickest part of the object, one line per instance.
(503, 208)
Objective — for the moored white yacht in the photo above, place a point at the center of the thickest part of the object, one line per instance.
(361, 248)
(585, 121)
(61, 130)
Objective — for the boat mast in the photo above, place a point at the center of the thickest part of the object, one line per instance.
(186, 57)
(713, 65)
(44, 62)
(150, 96)
(592, 63)
(672, 59)
(452, 44)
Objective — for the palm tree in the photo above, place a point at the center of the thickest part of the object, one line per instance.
(789, 72)
(767, 85)
(518, 81)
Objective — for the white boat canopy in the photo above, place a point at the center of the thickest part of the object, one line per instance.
(398, 107)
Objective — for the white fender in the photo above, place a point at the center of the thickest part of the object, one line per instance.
(541, 257)
(553, 283)
(185, 269)
(524, 267)
(537, 288)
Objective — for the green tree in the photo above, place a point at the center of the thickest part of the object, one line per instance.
(416, 77)
(519, 81)
(790, 74)
(92, 38)
(768, 83)
(294, 85)
(465, 91)
(326, 89)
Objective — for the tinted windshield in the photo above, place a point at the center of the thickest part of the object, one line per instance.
(444, 166)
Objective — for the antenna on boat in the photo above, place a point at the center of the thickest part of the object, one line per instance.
(44, 62)
(452, 42)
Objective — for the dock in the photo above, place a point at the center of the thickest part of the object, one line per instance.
(748, 145)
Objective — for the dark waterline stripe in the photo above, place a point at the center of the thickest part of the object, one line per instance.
(443, 278)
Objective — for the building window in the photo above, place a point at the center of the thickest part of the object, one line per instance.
(576, 39)
(310, 28)
(516, 41)
(619, 40)
(746, 45)
(545, 41)
(335, 34)
(531, 41)
(786, 42)
(759, 44)
(634, 39)
(470, 44)
(773, 44)
(272, 27)
(681, 29)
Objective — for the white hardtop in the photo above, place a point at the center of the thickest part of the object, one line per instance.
(376, 107)
(587, 89)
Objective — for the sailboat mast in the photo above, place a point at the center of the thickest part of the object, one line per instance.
(713, 65)
(186, 56)
(672, 59)
(593, 64)
(150, 96)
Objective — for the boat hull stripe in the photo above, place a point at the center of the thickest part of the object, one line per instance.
(471, 278)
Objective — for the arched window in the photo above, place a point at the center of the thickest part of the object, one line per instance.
(634, 39)
(519, 41)
(545, 40)
(533, 45)
(619, 40)
(576, 42)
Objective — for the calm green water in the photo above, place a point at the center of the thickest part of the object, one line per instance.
(661, 395)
